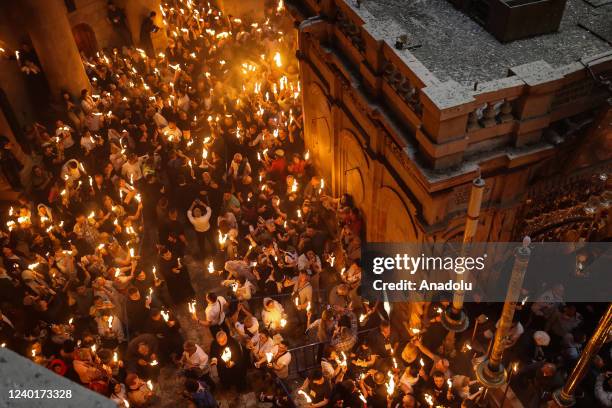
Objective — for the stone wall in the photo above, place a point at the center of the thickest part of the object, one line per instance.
(368, 152)
(246, 9)
(12, 80)
(93, 13)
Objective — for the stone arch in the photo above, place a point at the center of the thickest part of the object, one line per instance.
(85, 39)
(455, 232)
(396, 223)
(319, 138)
(353, 167)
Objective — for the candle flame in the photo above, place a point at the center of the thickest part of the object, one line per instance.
(391, 384)
(226, 355)
(277, 59)
(165, 315)
(306, 396)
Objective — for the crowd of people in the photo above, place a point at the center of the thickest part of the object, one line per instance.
(194, 155)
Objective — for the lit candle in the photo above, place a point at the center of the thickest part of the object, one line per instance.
(391, 384)
(226, 355)
(306, 396)
(277, 59)
(192, 307)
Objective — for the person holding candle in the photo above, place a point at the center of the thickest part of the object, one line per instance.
(172, 233)
(272, 314)
(137, 308)
(317, 388)
(216, 306)
(229, 365)
(141, 357)
(333, 366)
(201, 225)
(195, 363)
(383, 343)
(440, 391)
(138, 392)
(280, 359)
(168, 331)
(260, 344)
(176, 276)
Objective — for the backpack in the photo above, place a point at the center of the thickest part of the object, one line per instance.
(203, 398)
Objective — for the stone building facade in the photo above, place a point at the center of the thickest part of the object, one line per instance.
(384, 128)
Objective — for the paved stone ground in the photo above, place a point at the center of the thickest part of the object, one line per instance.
(170, 384)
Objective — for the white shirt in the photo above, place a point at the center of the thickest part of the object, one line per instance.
(303, 293)
(304, 262)
(159, 120)
(236, 166)
(214, 311)
(201, 223)
(272, 317)
(183, 103)
(242, 330)
(283, 361)
(174, 135)
(260, 348)
(131, 171)
(88, 143)
(198, 359)
(64, 134)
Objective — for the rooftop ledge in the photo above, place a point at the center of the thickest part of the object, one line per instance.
(454, 47)
(455, 61)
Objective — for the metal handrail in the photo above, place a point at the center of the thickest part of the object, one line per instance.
(294, 366)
